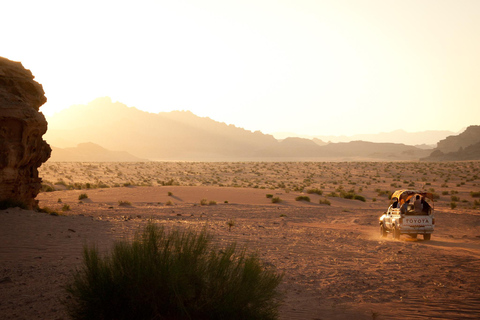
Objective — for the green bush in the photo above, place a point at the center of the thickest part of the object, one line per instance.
(475, 194)
(352, 196)
(276, 200)
(360, 198)
(325, 201)
(82, 196)
(302, 198)
(176, 275)
(269, 195)
(315, 190)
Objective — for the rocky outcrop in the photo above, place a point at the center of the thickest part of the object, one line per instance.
(469, 153)
(465, 146)
(22, 149)
(456, 143)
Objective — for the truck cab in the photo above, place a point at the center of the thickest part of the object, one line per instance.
(409, 213)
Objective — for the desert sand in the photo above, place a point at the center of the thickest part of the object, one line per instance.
(335, 264)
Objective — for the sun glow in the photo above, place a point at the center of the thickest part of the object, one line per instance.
(330, 67)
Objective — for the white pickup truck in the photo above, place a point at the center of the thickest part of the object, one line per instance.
(408, 217)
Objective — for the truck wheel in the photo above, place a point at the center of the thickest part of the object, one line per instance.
(396, 233)
(383, 232)
(426, 236)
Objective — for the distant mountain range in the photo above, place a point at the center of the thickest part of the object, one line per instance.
(423, 139)
(181, 135)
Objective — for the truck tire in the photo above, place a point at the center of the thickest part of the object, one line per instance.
(427, 236)
(396, 233)
(383, 232)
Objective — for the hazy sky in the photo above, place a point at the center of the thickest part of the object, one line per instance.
(314, 67)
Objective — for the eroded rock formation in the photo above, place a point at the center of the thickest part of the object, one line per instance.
(22, 149)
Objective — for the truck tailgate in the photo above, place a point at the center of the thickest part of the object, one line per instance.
(417, 221)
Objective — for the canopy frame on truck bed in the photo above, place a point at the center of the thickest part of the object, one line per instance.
(404, 195)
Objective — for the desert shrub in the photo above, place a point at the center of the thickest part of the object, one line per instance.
(455, 198)
(352, 195)
(302, 198)
(360, 198)
(325, 201)
(47, 210)
(61, 183)
(77, 186)
(475, 194)
(269, 195)
(445, 193)
(453, 205)
(315, 190)
(103, 185)
(169, 203)
(170, 194)
(47, 188)
(66, 207)
(203, 202)
(175, 275)
(212, 202)
(276, 200)
(170, 182)
(82, 196)
(347, 195)
(381, 192)
(124, 203)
